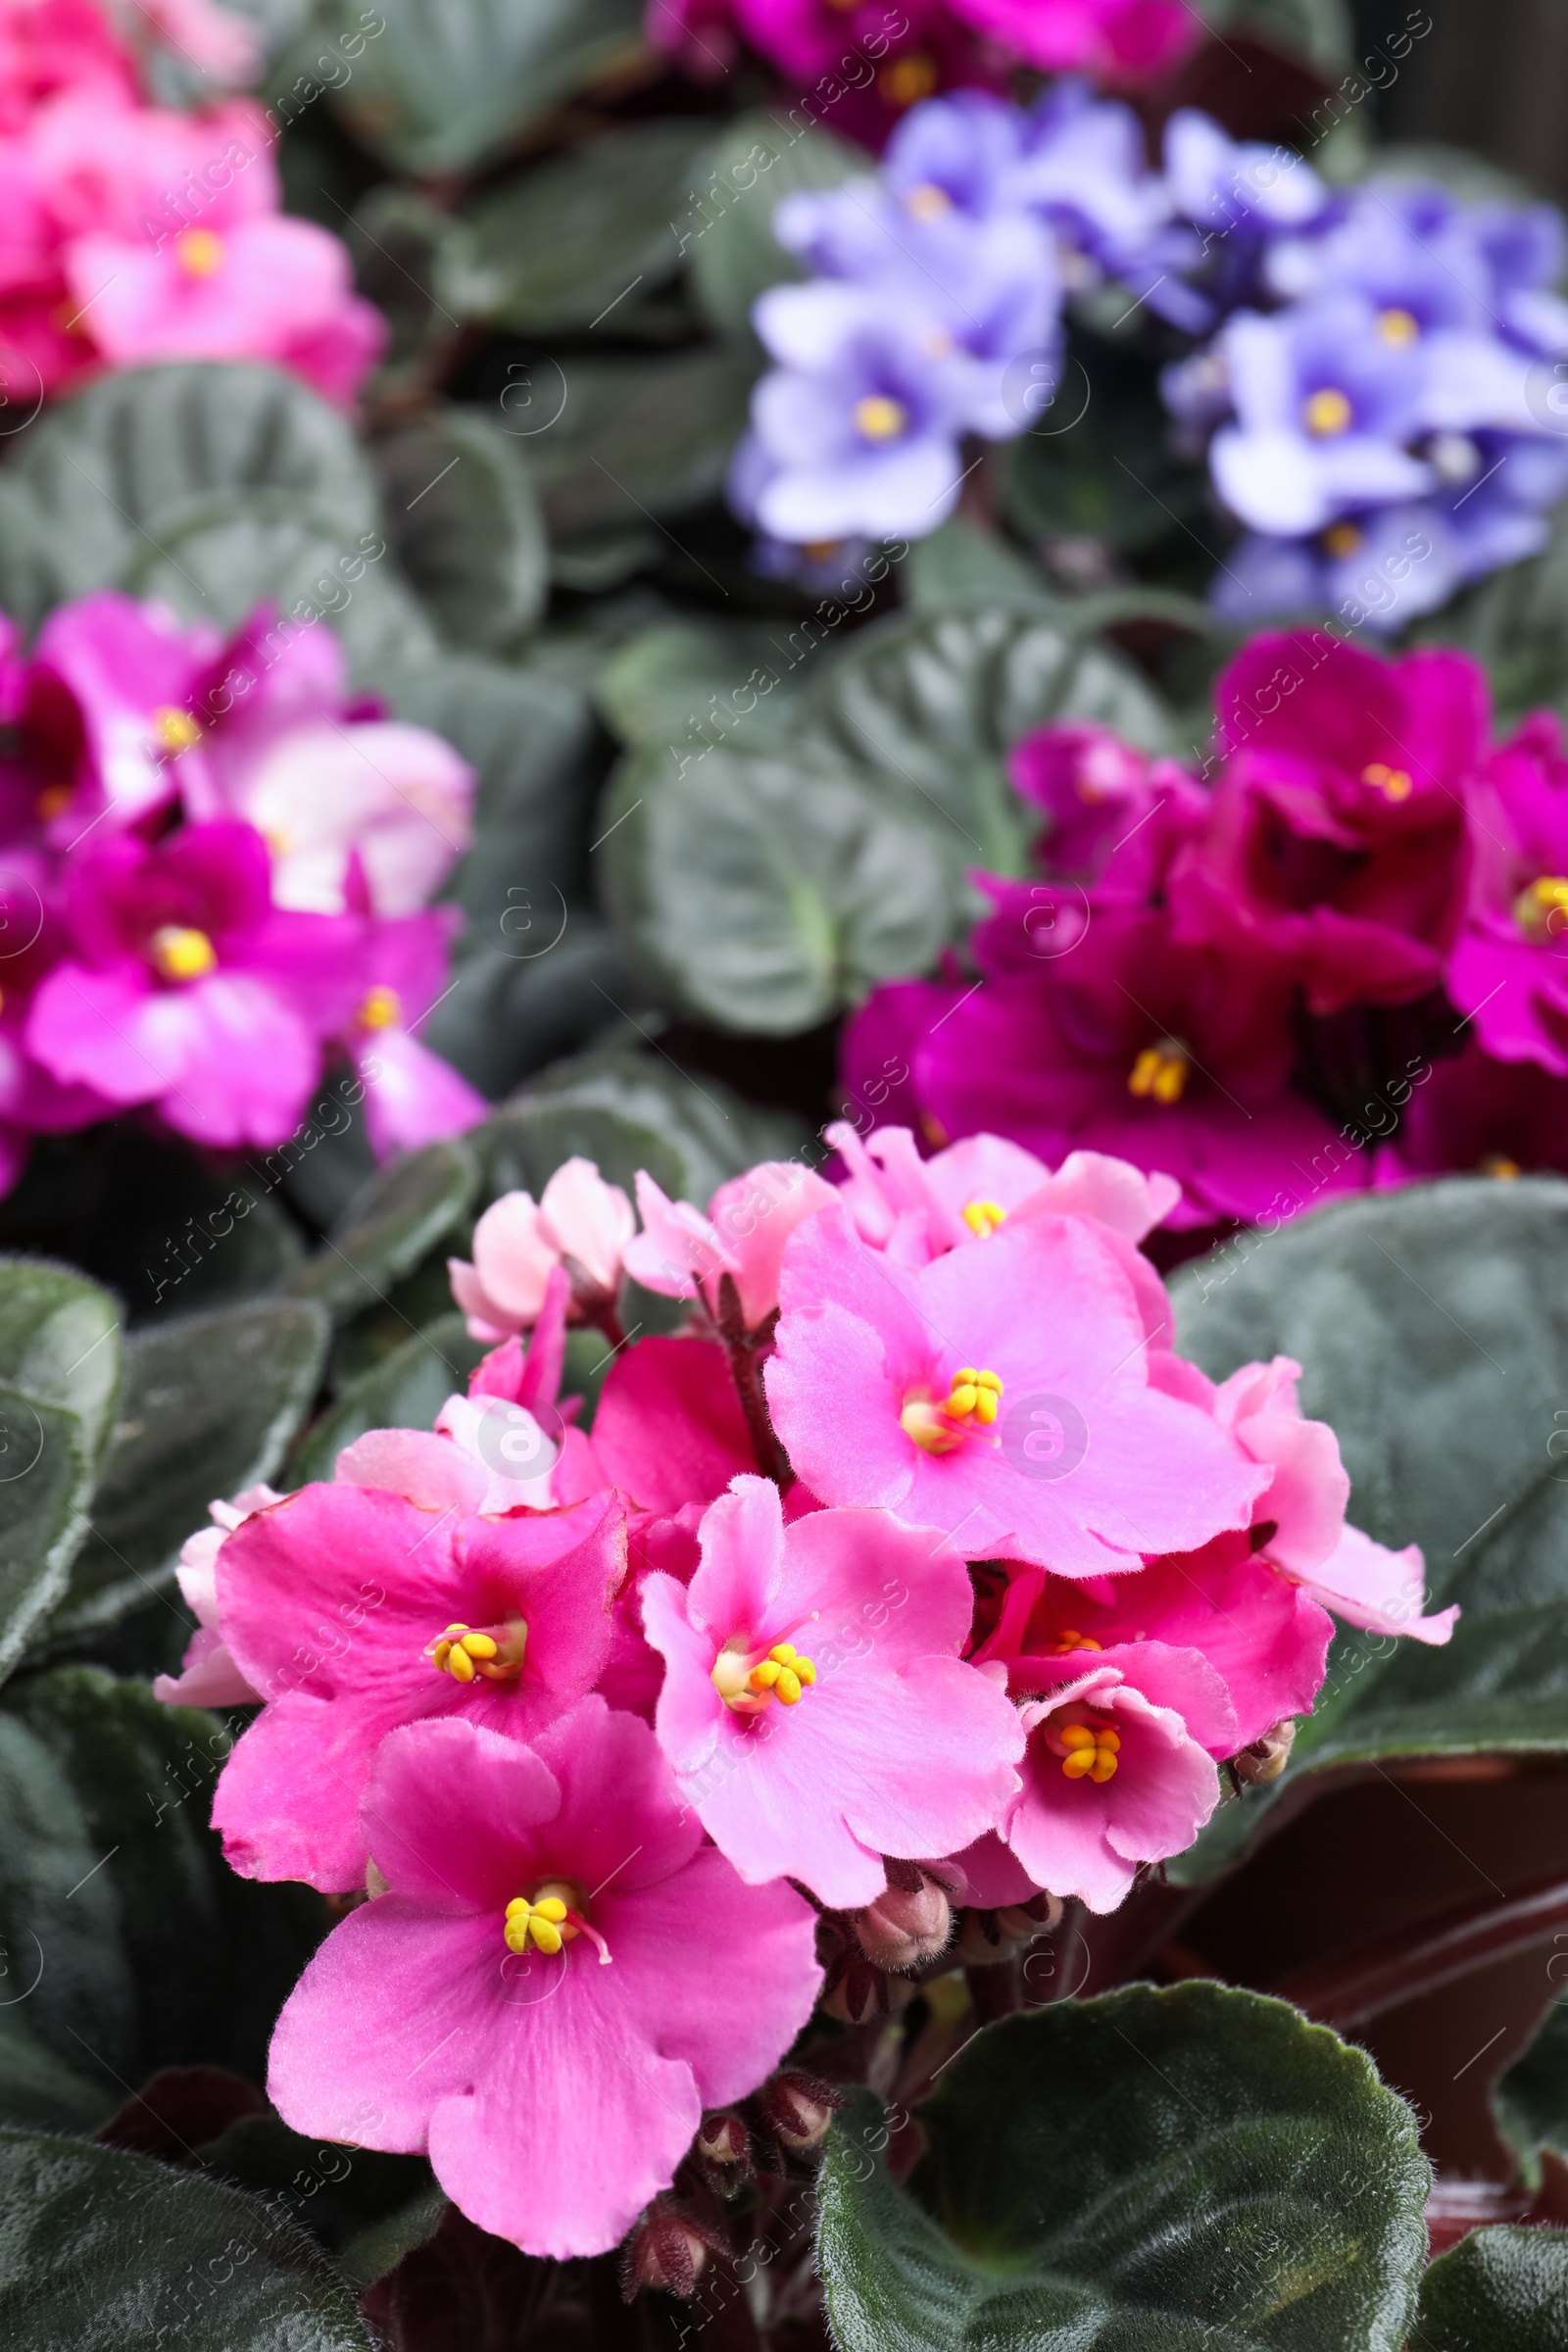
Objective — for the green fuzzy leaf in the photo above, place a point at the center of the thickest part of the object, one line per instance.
(1318, 32)
(334, 2193)
(529, 735)
(129, 1943)
(960, 565)
(103, 2250)
(1435, 1342)
(1500, 2291)
(147, 454)
(210, 1404)
(550, 252)
(464, 525)
(1156, 2171)
(395, 238)
(757, 160)
(634, 438)
(388, 1227)
(1530, 2099)
(220, 564)
(766, 894)
(406, 1389)
(449, 82)
(60, 1362)
(686, 682)
(527, 1142)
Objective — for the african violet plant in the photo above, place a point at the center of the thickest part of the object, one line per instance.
(651, 1699)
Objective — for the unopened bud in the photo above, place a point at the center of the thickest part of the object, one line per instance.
(1267, 1757)
(987, 1936)
(855, 1991)
(799, 2107)
(724, 2140)
(905, 1927)
(668, 2249)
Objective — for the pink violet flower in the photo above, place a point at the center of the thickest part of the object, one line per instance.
(188, 990)
(814, 1708)
(1076, 1463)
(669, 1429)
(411, 1095)
(1101, 797)
(367, 1585)
(518, 1240)
(208, 1676)
(683, 1255)
(1298, 1520)
(1261, 1634)
(554, 2077)
(1083, 1829)
(52, 45)
(1118, 40)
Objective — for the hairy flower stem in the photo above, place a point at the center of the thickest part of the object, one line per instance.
(744, 1350)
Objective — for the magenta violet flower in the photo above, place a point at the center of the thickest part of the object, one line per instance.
(1508, 971)
(930, 1392)
(559, 1981)
(814, 1708)
(187, 988)
(353, 1610)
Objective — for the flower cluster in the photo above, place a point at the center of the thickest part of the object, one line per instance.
(1369, 369)
(138, 232)
(860, 65)
(914, 1576)
(1342, 962)
(215, 868)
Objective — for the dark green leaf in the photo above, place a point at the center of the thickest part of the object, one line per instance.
(553, 250)
(406, 1389)
(513, 1014)
(57, 1343)
(450, 82)
(686, 681)
(526, 1142)
(60, 1359)
(1516, 625)
(928, 706)
(1101, 466)
(388, 1227)
(766, 894)
(1155, 2170)
(529, 735)
(960, 565)
(210, 1404)
(1318, 32)
(334, 2193)
(1531, 2099)
(1500, 2291)
(220, 563)
(105, 478)
(1435, 1342)
(465, 526)
(716, 1132)
(129, 1942)
(639, 437)
(395, 238)
(102, 2250)
(757, 161)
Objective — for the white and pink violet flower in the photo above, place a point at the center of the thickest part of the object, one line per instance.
(917, 1558)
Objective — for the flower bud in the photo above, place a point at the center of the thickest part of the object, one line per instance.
(855, 1991)
(723, 2139)
(902, 1928)
(988, 1936)
(668, 2249)
(1267, 1757)
(799, 2107)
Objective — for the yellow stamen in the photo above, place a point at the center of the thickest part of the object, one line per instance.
(936, 1135)
(1160, 1071)
(1090, 1751)
(1070, 1639)
(382, 1008)
(53, 801)
(1499, 1164)
(492, 1654)
(983, 1217)
(746, 1689)
(820, 551)
(175, 730)
(928, 202)
(1344, 539)
(179, 953)
(1398, 326)
(1327, 413)
(879, 419)
(1394, 783)
(200, 251)
(545, 1920)
(1540, 909)
(906, 81)
(974, 1397)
